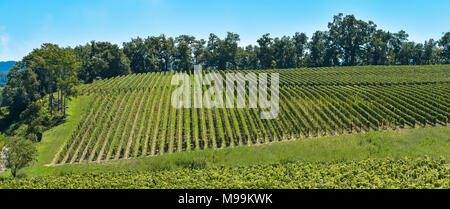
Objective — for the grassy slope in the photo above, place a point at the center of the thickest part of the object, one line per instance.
(54, 138)
(433, 142)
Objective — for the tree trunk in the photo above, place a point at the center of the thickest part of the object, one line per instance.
(14, 172)
(58, 99)
(64, 106)
(50, 104)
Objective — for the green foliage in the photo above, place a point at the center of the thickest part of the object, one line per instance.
(21, 90)
(445, 44)
(44, 71)
(348, 41)
(19, 152)
(101, 60)
(151, 54)
(421, 173)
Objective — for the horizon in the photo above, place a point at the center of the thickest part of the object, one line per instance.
(70, 24)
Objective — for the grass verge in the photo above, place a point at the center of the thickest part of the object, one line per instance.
(54, 138)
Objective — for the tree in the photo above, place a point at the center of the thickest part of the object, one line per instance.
(140, 56)
(396, 45)
(101, 60)
(21, 90)
(45, 71)
(36, 118)
(68, 90)
(417, 54)
(19, 153)
(405, 54)
(284, 53)
(318, 47)
(167, 55)
(247, 58)
(377, 49)
(349, 35)
(199, 51)
(183, 52)
(428, 52)
(67, 77)
(223, 54)
(36, 76)
(229, 50)
(265, 52)
(213, 51)
(445, 52)
(300, 41)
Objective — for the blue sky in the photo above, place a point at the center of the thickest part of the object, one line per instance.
(26, 24)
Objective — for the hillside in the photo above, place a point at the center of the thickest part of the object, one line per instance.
(3, 78)
(5, 66)
(131, 116)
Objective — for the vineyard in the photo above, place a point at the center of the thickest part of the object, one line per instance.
(132, 116)
(366, 174)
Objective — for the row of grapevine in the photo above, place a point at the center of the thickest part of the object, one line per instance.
(132, 116)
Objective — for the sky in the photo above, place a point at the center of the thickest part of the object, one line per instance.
(26, 24)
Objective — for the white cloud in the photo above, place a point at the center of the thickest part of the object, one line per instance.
(4, 46)
(4, 40)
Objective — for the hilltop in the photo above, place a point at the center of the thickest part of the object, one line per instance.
(6, 65)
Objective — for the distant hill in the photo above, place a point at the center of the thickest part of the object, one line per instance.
(3, 78)
(5, 66)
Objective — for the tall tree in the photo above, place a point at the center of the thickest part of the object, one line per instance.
(377, 49)
(349, 35)
(320, 51)
(184, 52)
(428, 52)
(247, 58)
(101, 60)
(284, 53)
(230, 50)
(200, 52)
(213, 51)
(141, 54)
(37, 75)
(22, 89)
(265, 52)
(300, 41)
(445, 52)
(19, 153)
(397, 42)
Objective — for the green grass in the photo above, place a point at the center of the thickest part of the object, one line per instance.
(54, 138)
(432, 141)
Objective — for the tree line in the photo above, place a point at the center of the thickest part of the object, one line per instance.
(348, 41)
